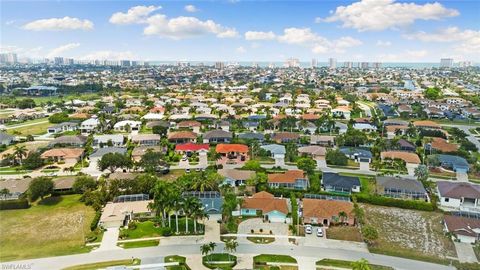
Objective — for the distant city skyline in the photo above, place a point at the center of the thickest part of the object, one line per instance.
(395, 31)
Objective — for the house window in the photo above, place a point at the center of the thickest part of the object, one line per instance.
(446, 199)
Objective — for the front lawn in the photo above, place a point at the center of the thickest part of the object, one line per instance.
(261, 262)
(139, 244)
(219, 261)
(348, 264)
(409, 233)
(53, 227)
(103, 265)
(182, 262)
(146, 229)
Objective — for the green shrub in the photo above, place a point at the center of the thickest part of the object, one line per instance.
(405, 204)
(14, 204)
(95, 221)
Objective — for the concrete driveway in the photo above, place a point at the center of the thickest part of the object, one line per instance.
(257, 223)
(109, 240)
(465, 252)
(313, 240)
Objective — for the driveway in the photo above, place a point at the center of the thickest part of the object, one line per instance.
(212, 230)
(465, 252)
(313, 240)
(257, 223)
(109, 240)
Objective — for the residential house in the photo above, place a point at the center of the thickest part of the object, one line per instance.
(90, 125)
(402, 188)
(64, 184)
(15, 187)
(460, 196)
(6, 139)
(108, 140)
(455, 163)
(427, 125)
(69, 140)
(66, 155)
(139, 151)
(212, 202)
(277, 152)
(217, 136)
(271, 208)
(190, 148)
(441, 145)
(127, 126)
(322, 140)
(191, 125)
(285, 137)
(293, 179)
(63, 127)
(99, 153)
(334, 182)
(405, 145)
(235, 177)
(115, 215)
(182, 137)
(238, 152)
(146, 139)
(252, 136)
(325, 212)
(464, 229)
(357, 154)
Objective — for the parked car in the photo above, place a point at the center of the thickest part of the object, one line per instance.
(187, 170)
(319, 232)
(231, 161)
(308, 229)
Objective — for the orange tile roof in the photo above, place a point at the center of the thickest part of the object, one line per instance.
(286, 177)
(310, 116)
(226, 148)
(405, 156)
(426, 123)
(394, 128)
(63, 152)
(314, 208)
(266, 202)
(444, 146)
(182, 135)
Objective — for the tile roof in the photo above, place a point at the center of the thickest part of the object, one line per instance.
(442, 145)
(337, 180)
(286, 177)
(236, 174)
(462, 225)
(226, 148)
(182, 135)
(63, 152)
(192, 147)
(408, 157)
(265, 202)
(325, 208)
(458, 190)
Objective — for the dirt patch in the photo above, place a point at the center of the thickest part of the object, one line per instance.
(346, 233)
(417, 231)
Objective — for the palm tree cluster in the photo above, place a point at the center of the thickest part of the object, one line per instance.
(16, 158)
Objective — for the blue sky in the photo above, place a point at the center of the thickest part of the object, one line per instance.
(367, 30)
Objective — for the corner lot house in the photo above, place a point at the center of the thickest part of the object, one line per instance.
(295, 179)
(466, 230)
(461, 196)
(325, 212)
(272, 209)
(334, 182)
(404, 188)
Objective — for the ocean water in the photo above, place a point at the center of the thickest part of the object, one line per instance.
(302, 64)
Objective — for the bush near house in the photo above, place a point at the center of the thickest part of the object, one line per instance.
(14, 204)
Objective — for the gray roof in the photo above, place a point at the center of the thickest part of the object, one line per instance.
(274, 148)
(362, 153)
(337, 180)
(69, 139)
(405, 184)
(71, 124)
(251, 136)
(102, 151)
(458, 189)
(4, 136)
(217, 134)
(455, 161)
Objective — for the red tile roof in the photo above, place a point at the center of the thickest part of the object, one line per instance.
(193, 147)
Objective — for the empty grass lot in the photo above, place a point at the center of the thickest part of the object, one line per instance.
(139, 244)
(346, 233)
(103, 265)
(323, 264)
(147, 229)
(409, 233)
(53, 227)
(261, 261)
(33, 127)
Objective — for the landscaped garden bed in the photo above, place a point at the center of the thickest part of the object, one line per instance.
(219, 261)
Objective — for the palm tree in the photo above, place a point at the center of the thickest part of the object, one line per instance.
(205, 249)
(20, 152)
(361, 264)
(230, 247)
(11, 158)
(189, 206)
(198, 214)
(343, 217)
(161, 192)
(212, 246)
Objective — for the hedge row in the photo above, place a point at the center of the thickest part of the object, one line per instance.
(14, 204)
(95, 220)
(405, 204)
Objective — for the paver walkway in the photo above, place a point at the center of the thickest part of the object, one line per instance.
(212, 231)
(465, 252)
(306, 263)
(244, 261)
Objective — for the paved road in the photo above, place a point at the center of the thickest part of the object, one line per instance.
(161, 251)
(25, 125)
(466, 128)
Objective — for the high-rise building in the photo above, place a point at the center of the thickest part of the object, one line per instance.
(446, 62)
(332, 63)
(464, 64)
(348, 64)
(219, 65)
(377, 65)
(292, 63)
(364, 65)
(125, 63)
(58, 60)
(314, 63)
(8, 58)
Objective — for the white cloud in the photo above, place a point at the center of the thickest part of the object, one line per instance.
(59, 24)
(405, 56)
(416, 54)
(381, 43)
(137, 14)
(59, 51)
(241, 50)
(466, 41)
(258, 35)
(109, 55)
(185, 27)
(318, 44)
(191, 8)
(376, 15)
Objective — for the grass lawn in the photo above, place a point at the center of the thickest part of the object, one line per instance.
(261, 240)
(175, 258)
(172, 175)
(147, 229)
(102, 265)
(35, 127)
(348, 264)
(347, 233)
(146, 243)
(56, 226)
(219, 261)
(476, 249)
(411, 234)
(260, 262)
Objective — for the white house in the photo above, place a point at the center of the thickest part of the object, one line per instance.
(127, 125)
(112, 140)
(461, 196)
